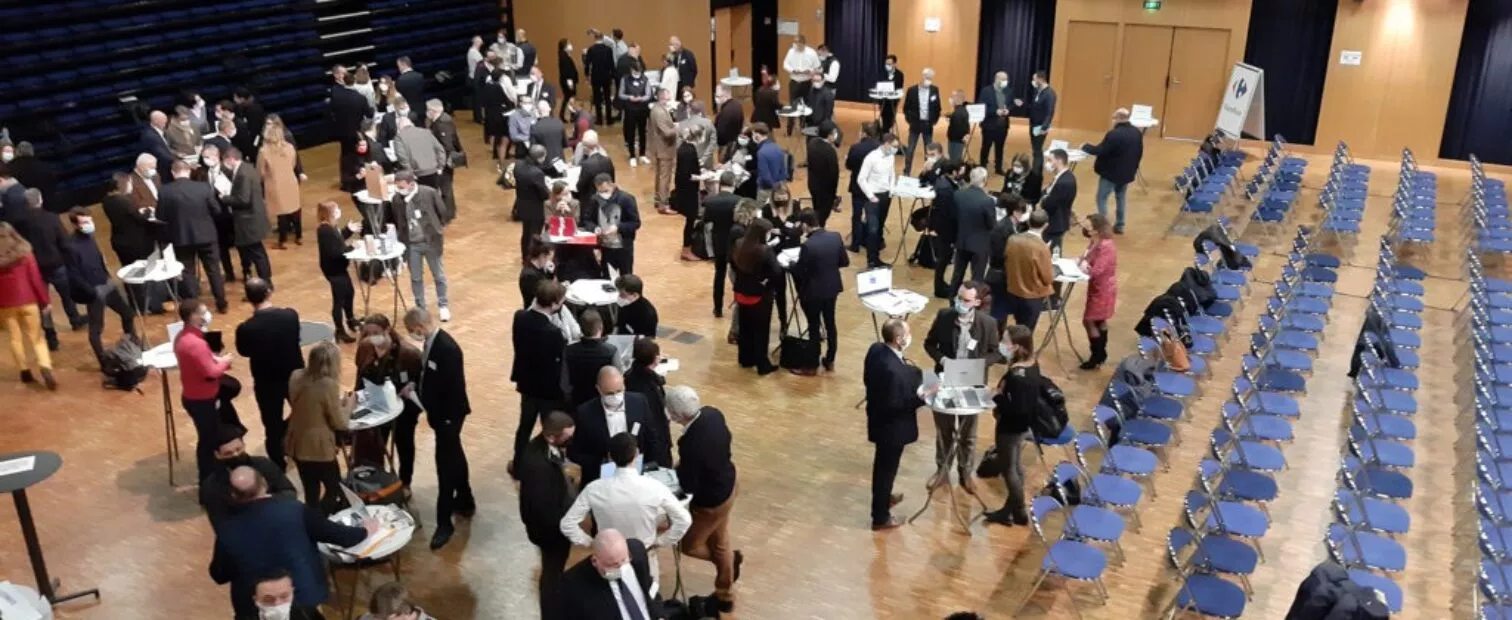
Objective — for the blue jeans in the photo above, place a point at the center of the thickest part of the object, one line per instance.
(876, 218)
(914, 133)
(428, 253)
(955, 149)
(1104, 187)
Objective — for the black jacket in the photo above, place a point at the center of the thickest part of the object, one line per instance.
(911, 112)
(823, 171)
(443, 381)
(538, 351)
(959, 125)
(445, 131)
(583, 360)
(269, 339)
(411, 86)
(527, 57)
(854, 157)
(276, 533)
(36, 174)
(249, 214)
(706, 470)
(1328, 594)
(567, 71)
(86, 266)
(215, 489)
(590, 441)
(687, 68)
(940, 342)
(821, 103)
(988, 98)
(892, 400)
(942, 211)
(638, 318)
(644, 381)
(598, 63)
(1119, 153)
(764, 106)
(761, 280)
(728, 122)
(531, 193)
(819, 264)
(131, 233)
(551, 134)
(589, 169)
(1042, 107)
(348, 108)
(719, 212)
(1057, 203)
(530, 278)
(976, 213)
(332, 245)
(189, 209)
(1016, 399)
(684, 188)
(545, 494)
(45, 234)
(585, 594)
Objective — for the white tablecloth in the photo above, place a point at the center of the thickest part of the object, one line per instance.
(398, 527)
(909, 187)
(1070, 271)
(163, 271)
(592, 293)
(28, 598)
(571, 176)
(1072, 155)
(880, 96)
(896, 302)
(360, 253)
(160, 357)
(736, 81)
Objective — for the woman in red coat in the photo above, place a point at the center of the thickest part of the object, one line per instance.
(23, 299)
(1101, 263)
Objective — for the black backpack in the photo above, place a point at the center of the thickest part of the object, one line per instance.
(122, 364)
(1050, 417)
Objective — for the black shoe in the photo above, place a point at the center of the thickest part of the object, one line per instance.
(855, 249)
(222, 307)
(769, 369)
(79, 326)
(442, 536)
(1091, 364)
(739, 559)
(48, 380)
(26, 377)
(718, 313)
(876, 264)
(829, 365)
(467, 511)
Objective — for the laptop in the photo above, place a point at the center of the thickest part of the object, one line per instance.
(963, 384)
(874, 282)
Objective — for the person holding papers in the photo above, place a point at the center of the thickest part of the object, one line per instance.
(890, 73)
(646, 379)
(615, 411)
(629, 503)
(1041, 112)
(961, 332)
(1100, 263)
(317, 411)
(820, 260)
(331, 238)
(382, 356)
(801, 63)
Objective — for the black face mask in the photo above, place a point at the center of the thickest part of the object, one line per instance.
(237, 461)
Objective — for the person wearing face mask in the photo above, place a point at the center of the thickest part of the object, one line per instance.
(820, 101)
(269, 339)
(215, 491)
(824, 170)
(663, 150)
(267, 551)
(1118, 157)
(1059, 198)
(998, 98)
(800, 63)
(756, 278)
(875, 180)
(154, 141)
(249, 215)
(635, 95)
(615, 583)
(548, 133)
(90, 281)
(1021, 181)
(945, 176)
(441, 389)
(520, 122)
(890, 73)
(420, 219)
(975, 215)
(618, 221)
(582, 360)
(684, 61)
(1100, 262)
(637, 317)
(921, 110)
(817, 272)
(729, 118)
(1041, 112)
(210, 172)
(1018, 395)
(388, 128)
(614, 412)
(539, 347)
(960, 332)
(1014, 221)
(540, 266)
(855, 156)
(145, 182)
(382, 355)
(200, 370)
(893, 398)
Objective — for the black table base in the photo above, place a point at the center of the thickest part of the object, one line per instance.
(45, 584)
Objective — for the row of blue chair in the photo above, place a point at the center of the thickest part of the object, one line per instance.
(1414, 208)
(1206, 181)
(1485, 213)
(1274, 188)
(1344, 195)
(91, 25)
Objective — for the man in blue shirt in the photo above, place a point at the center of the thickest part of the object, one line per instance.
(771, 168)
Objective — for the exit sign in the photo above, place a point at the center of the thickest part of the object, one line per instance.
(1152, 5)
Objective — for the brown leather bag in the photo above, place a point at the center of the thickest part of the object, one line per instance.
(1174, 352)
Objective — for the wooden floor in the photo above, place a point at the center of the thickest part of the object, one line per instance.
(110, 520)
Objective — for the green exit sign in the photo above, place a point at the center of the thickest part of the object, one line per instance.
(1152, 5)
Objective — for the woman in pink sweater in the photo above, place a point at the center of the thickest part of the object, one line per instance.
(1101, 263)
(23, 299)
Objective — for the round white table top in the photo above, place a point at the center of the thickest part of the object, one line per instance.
(360, 253)
(736, 81)
(163, 272)
(592, 292)
(1072, 155)
(794, 112)
(935, 406)
(396, 529)
(1144, 123)
(160, 357)
(28, 597)
(881, 96)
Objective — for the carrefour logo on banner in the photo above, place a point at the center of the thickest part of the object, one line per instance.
(1240, 87)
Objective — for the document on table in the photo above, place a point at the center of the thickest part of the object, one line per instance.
(222, 184)
(17, 466)
(354, 501)
(896, 302)
(13, 607)
(976, 113)
(1067, 269)
(380, 398)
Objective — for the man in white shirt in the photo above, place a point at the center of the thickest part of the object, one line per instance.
(801, 63)
(628, 502)
(876, 180)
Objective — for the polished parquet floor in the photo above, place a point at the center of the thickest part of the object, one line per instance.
(109, 519)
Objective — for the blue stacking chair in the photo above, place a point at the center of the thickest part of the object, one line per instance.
(1120, 459)
(1209, 595)
(1146, 433)
(1066, 558)
(1213, 553)
(1105, 490)
(1254, 424)
(1153, 406)
(1239, 452)
(1234, 519)
(1242, 485)
(1370, 513)
(1379, 451)
(1354, 548)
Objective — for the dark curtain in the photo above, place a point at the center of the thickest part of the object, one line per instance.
(1480, 104)
(1291, 41)
(763, 39)
(856, 33)
(1015, 37)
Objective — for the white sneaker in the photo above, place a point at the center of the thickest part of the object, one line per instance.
(645, 160)
(632, 162)
(445, 314)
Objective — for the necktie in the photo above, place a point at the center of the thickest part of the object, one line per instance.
(632, 609)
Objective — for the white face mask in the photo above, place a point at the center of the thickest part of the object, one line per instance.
(149, 173)
(907, 342)
(548, 267)
(207, 318)
(612, 574)
(1024, 216)
(1002, 84)
(1018, 169)
(402, 111)
(743, 140)
(211, 162)
(382, 88)
(7, 155)
(276, 612)
(569, 49)
(87, 227)
(614, 401)
(380, 343)
(927, 82)
(606, 195)
(1006, 349)
(624, 301)
(417, 336)
(336, 215)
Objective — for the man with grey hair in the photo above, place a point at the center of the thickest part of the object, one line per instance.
(154, 140)
(975, 213)
(921, 110)
(441, 389)
(548, 132)
(444, 129)
(719, 214)
(592, 160)
(698, 117)
(145, 182)
(520, 121)
(420, 219)
(419, 152)
(706, 471)
(729, 117)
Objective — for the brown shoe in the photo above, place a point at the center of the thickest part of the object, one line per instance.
(897, 498)
(48, 380)
(891, 524)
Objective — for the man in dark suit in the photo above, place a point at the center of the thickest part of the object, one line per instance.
(531, 194)
(250, 118)
(153, 140)
(637, 315)
(719, 213)
(1041, 113)
(548, 132)
(269, 339)
(539, 347)
(584, 358)
(892, 403)
(997, 97)
(348, 108)
(539, 90)
(249, 215)
(34, 173)
(215, 490)
(820, 101)
(1117, 164)
(976, 213)
(267, 534)
(890, 73)
(921, 110)
(687, 65)
(595, 162)
(957, 127)
(598, 65)
(539, 266)
(545, 494)
(707, 472)
(853, 159)
(442, 390)
(1058, 198)
(824, 170)
(617, 576)
(730, 118)
(818, 274)
(946, 179)
(189, 209)
(131, 232)
(527, 52)
(410, 83)
(615, 411)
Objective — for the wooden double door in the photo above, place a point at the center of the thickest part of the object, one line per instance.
(1179, 72)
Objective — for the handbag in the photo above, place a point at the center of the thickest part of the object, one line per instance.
(457, 159)
(798, 352)
(1175, 353)
(991, 465)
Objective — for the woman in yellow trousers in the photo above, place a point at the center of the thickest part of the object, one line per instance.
(23, 299)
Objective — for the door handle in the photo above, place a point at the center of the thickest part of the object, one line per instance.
(1108, 78)
(1175, 82)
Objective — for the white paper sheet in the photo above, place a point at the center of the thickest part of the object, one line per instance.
(976, 113)
(17, 466)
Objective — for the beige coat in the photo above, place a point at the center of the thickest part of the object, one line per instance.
(662, 137)
(315, 414)
(280, 183)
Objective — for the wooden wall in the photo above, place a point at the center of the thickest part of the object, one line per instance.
(1399, 94)
(732, 41)
(951, 52)
(647, 22)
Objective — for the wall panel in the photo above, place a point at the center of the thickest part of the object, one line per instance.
(648, 22)
(951, 52)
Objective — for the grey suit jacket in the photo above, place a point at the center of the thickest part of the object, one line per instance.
(249, 215)
(419, 151)
(420, 219)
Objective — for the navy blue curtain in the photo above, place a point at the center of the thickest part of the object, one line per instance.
(856, 33)
(1291, 41)
(1480, 105)
(1015, 37)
